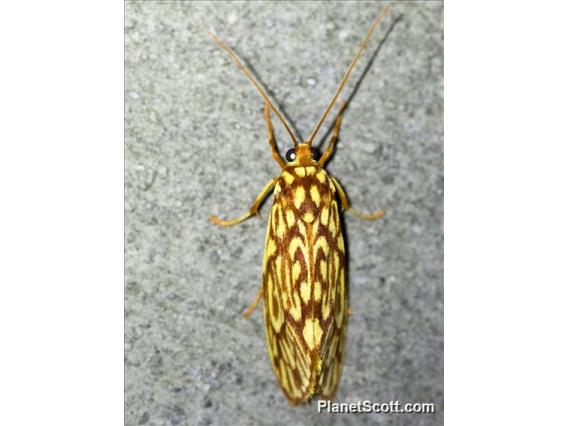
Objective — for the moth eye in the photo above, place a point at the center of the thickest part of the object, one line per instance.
(315, 154)
(290, 155)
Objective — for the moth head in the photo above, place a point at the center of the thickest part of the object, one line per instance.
(302, 155)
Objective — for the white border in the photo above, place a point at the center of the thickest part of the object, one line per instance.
(61, 214)
(506, 213)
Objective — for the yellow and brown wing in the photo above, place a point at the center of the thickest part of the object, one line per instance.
(334, 346)
(292, 361)
(304, 291)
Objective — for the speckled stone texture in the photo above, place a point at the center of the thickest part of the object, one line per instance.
(196, 145)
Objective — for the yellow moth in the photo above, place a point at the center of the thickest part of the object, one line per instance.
(303, 273)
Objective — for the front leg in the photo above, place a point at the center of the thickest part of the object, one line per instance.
(271, 138)
(347, 205)
(253, 210)
(334, 136)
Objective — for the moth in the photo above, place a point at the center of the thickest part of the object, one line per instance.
(303, 271)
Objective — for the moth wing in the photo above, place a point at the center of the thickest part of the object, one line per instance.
(295, 366)
(333, 348)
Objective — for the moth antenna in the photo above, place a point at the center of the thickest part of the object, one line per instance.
(346, 76)
(256, 84)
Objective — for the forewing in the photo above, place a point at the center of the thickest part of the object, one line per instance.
(294, 365)
(304, 287)
(334, 304)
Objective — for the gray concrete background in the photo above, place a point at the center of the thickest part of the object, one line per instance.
(196, 144)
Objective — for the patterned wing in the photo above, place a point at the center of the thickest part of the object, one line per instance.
(304, 286)
(334, 345)
(294, 365)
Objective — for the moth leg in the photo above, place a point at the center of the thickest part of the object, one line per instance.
(334, 136)
(253, 210)
(271, 138)
(347, 206)
(252, 306)
(349, 312)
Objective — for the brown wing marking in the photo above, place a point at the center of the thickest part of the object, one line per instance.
(334, 347)
(292, 361)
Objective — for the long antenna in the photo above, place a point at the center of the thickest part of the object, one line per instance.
(250, 76)
(346, 76)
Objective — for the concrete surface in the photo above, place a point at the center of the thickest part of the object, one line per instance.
(196, 144)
